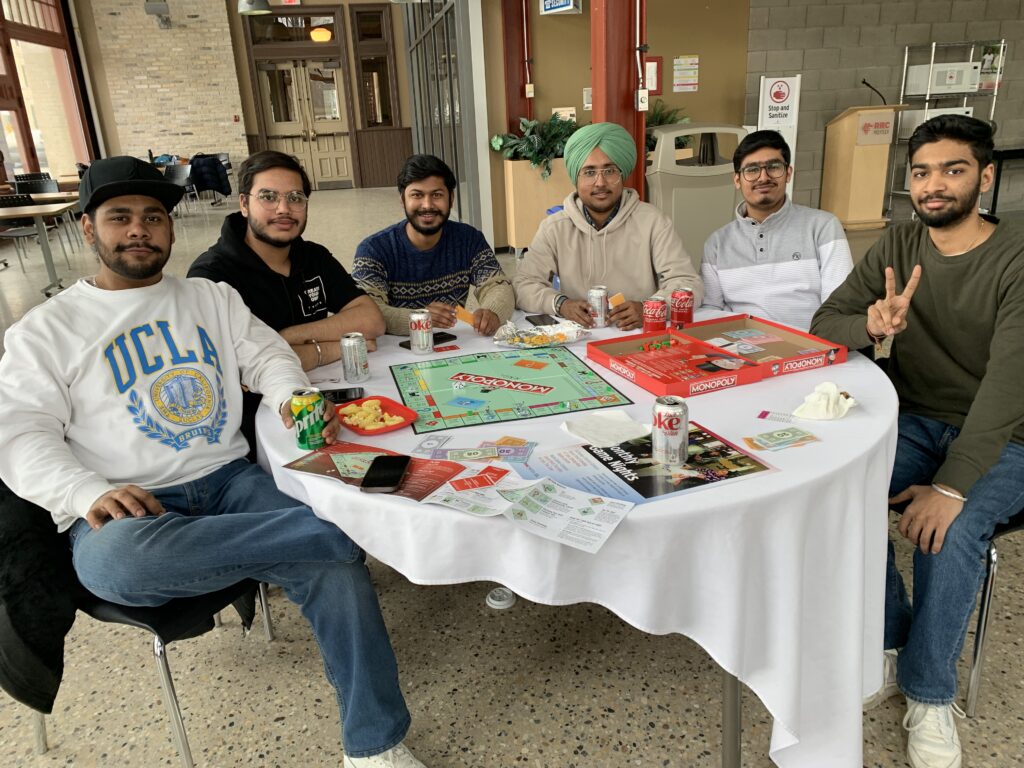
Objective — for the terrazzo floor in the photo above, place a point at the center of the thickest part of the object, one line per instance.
(539, 686)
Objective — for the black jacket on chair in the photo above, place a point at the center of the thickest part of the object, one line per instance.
(209, 173)
(37, 601)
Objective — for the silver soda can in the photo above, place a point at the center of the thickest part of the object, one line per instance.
(597, 298)
(670, 431)
(421, 332)
(355, 367)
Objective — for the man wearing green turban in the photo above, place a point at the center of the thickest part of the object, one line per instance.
(604, 235)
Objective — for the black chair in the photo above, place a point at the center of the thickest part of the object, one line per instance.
(182, 176)
(34, 186)
(30, 176)
(1016, 523)
(176, 620)
(20, 230)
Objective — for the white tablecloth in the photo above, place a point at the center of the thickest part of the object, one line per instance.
(778, 576)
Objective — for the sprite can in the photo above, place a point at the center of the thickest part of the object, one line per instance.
(309, 410)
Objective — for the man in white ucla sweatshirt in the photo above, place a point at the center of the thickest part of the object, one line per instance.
(120, 408)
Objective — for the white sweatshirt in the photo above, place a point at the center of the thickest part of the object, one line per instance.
(100, 389)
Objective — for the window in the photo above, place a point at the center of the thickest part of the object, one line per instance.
(375, 63)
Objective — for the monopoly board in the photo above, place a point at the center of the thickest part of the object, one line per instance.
(505, 385)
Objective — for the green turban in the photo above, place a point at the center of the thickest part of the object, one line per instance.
(612, 139)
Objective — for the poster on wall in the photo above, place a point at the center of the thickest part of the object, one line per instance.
(685, 73)
(779, 109)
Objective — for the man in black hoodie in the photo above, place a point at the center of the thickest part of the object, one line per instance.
(296, 287)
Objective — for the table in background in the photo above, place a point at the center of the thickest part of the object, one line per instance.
(779, 576)
(39, 213)
(999, 155)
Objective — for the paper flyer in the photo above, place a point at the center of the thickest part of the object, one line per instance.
(543, 507)
(627, 471)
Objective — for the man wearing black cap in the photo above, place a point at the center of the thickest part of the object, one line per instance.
(119, 413)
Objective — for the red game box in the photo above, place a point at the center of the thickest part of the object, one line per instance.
(713, 354)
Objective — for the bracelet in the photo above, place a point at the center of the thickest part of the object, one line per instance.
(948, 494)
(560, 299)
(319, 352)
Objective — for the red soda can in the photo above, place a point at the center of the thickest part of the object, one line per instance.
(655, 314)
(670, 431)
(682, 308)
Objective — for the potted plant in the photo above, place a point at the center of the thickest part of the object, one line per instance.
(535, 177)
(660, 114)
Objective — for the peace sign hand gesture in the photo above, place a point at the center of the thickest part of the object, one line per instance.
(888, 316)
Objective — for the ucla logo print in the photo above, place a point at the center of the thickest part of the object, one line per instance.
(182, 396)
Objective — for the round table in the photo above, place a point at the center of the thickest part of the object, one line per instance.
(779, 576)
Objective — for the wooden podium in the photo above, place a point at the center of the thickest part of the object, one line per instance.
(856, 166)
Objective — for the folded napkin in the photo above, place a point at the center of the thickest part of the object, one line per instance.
(605, 428)
(825, 402)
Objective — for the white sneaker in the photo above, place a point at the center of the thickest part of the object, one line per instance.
(396, 757)
(889, 687)
(932, 740)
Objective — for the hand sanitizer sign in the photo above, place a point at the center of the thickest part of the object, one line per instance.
(779, 109)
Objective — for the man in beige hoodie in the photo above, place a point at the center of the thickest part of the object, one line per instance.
(604, 235)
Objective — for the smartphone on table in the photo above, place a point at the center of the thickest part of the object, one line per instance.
(541, 320)
(385, 474)
(342, 396)
(440, 337)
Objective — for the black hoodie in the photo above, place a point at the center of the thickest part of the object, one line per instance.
(317, 285)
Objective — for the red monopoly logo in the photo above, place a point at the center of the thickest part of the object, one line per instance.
(779, 91)
(491, 382)
(622, 370)
(799, 365)
(713, 384)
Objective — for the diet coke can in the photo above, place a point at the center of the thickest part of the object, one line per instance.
(670, 431)
(655, 314)
(421, 332)
(682, 308)
(355, 366)
(597, 298)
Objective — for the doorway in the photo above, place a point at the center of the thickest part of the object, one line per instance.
(304, 110)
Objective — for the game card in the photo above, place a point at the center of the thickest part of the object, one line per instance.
(614, 301)
(464, 314)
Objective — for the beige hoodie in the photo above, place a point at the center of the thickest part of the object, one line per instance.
(638, 254)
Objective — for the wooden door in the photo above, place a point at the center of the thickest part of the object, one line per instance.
(330, 141)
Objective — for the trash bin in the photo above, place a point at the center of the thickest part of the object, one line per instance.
(694, 186)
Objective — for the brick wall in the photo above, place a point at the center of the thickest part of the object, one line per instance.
(834, 44)
(171, 90)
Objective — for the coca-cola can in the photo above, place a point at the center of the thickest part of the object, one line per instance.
(597, 298)
(355, 366)
(670, 430)
(421, 332)
(682, 308)
(655, 314)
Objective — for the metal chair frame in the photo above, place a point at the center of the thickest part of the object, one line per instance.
(1016, 523)
(109, 612)
(182, 176)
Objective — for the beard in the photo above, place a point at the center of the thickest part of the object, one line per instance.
(260, 232)
(958, 210)
(423, 229)
(115, 260)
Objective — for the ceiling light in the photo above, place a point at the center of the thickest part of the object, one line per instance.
(320, 34)
(253, 7)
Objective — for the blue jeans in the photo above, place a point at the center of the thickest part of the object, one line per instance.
(235, 524)
(931, 633)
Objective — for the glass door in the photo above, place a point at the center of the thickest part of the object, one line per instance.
(330, 142)
(283, 108)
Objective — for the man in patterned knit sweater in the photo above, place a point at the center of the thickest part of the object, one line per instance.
(428, 262)
(775, 259)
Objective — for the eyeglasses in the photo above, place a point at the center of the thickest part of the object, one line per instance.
(775, 169)
(611, 173)
(269, 198)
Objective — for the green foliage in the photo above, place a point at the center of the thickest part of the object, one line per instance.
(660, 114)
(541, 142)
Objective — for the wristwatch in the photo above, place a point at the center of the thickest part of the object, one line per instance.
(560, 299)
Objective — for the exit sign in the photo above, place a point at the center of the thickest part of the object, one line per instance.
(291, 2)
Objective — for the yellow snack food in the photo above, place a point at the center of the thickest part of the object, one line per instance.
(368, 415)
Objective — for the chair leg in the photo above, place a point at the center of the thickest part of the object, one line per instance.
(171, 702)
(39, 727)
(18, 248)
(978, 660)
(268, 623)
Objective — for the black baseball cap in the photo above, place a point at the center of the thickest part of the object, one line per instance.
(116, 176)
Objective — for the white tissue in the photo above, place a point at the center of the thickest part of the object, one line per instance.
(605, 428)
(825, 402)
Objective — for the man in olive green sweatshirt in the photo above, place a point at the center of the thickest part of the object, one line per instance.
(948, 289)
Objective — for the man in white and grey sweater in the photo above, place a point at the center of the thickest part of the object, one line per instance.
(776, 259)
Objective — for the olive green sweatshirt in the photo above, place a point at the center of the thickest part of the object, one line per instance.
(961, 358)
